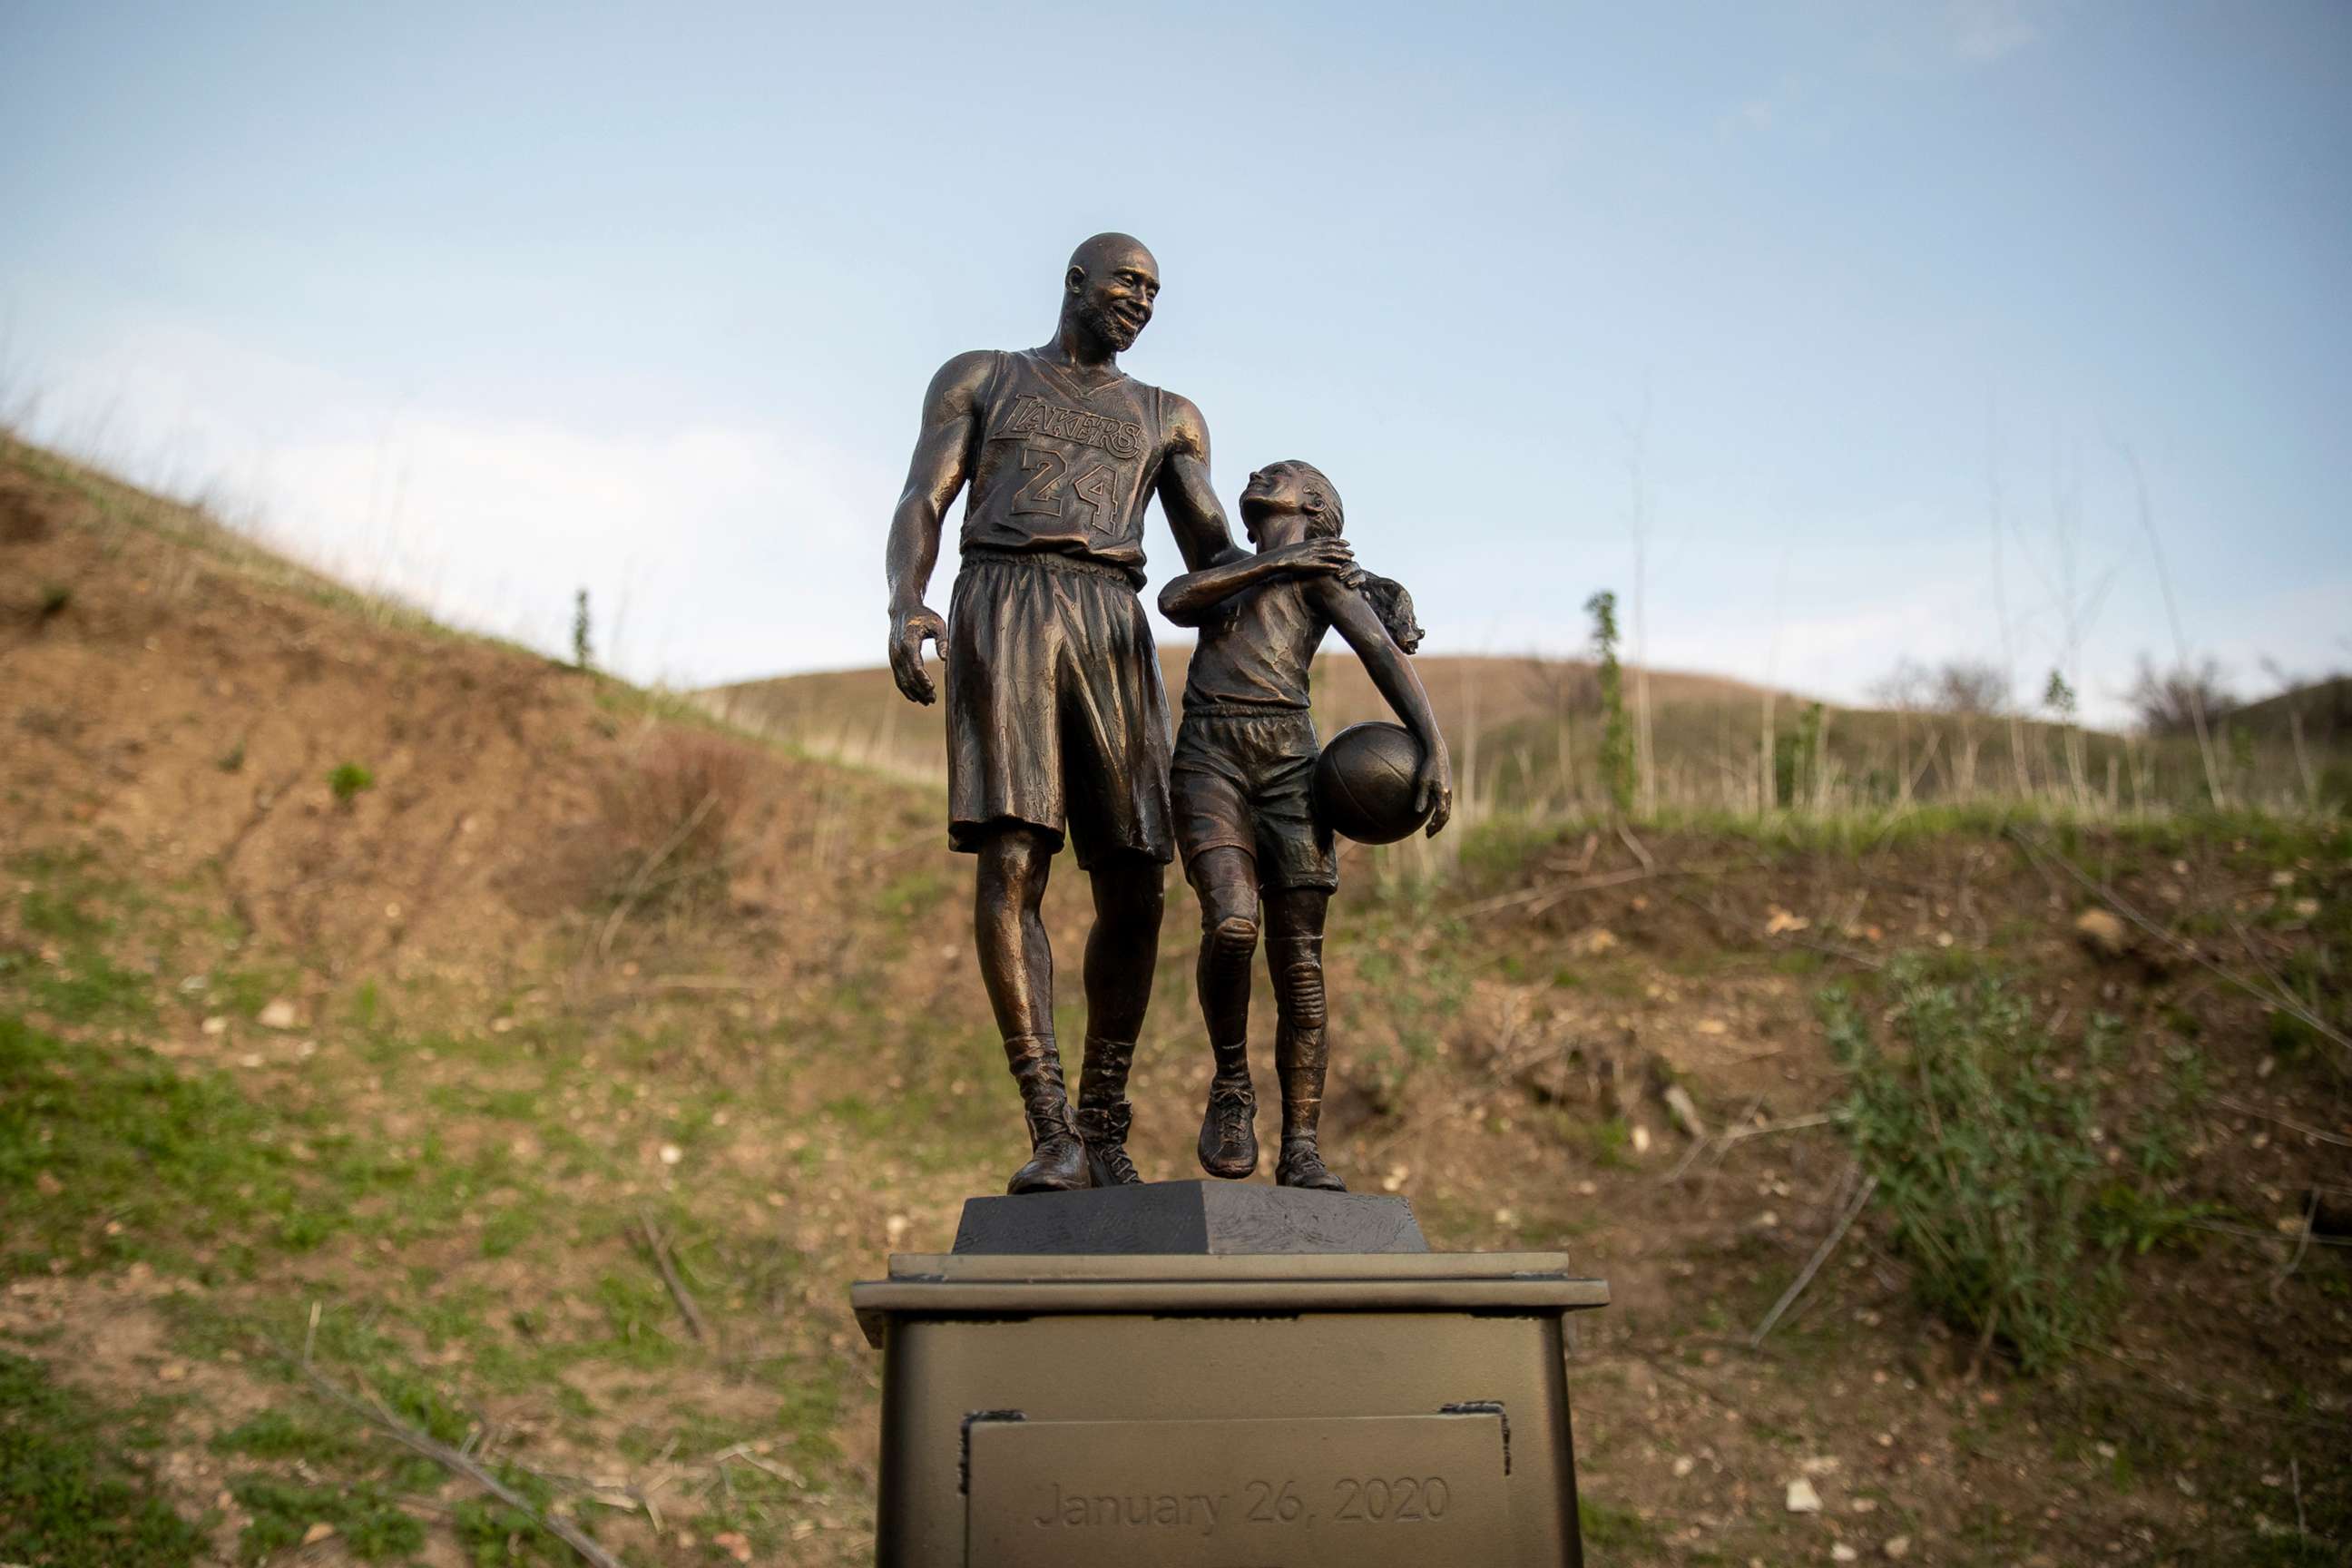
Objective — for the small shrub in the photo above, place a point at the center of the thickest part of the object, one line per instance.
(583, 650)
(669, 811)
(1786, 768)
(1604, 1141)
(348, 780)
(55, 598)
(2182, 699)
(1984, 1161)
(1805, 773)
(1616, 737)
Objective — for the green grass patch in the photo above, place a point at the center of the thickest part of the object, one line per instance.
(367, 1519)
(275, 1434)
(247, 991)
(496, 1535)
(812, 1396)
(1498, 851)
(1609, 1526)
(639, 1312)
(111, 1155)
(1605, 1142)
(87, 988)
(75, 980)
(912, 896)
(51, 912)
(71, 1489)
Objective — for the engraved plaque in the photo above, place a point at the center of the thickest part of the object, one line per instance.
(1372, 1491)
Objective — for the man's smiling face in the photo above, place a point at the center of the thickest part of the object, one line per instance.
(1115, 293)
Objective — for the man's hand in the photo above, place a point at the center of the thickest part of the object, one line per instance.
(1433, 788)
(908, 628)
(1313, 558)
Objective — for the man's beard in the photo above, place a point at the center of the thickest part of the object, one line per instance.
(1106, 324)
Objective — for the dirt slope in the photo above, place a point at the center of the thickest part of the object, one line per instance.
(177, 693)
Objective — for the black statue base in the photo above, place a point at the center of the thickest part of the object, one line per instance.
(1216, 1219)
(1227, 1374)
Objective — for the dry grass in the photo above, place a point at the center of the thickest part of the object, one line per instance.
(1526, 737)
(676, 803)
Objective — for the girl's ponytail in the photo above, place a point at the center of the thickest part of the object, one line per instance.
(1394, 606)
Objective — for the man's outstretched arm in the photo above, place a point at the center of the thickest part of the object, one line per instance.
(951, 405)
(1392, 672)
(1186, 495)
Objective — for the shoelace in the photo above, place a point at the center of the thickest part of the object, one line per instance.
(1106, 1138)
(1235, 1109)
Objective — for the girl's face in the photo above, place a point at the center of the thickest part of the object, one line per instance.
(1273, 507)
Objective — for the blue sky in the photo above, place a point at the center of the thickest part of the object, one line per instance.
(481, 304)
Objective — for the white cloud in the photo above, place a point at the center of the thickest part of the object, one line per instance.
(709, 551)
(1983, 31)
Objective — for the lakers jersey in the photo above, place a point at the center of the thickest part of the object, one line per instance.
(1062, 466)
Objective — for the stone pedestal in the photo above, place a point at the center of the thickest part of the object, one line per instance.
(1221, 1375)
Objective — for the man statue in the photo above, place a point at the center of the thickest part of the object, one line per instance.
(1057, 719)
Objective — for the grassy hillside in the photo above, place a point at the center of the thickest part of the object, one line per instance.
(857, 714)
(1525, 736)
(398, 1032)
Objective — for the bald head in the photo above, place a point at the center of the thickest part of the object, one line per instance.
(1108, 289)
(1105, 251)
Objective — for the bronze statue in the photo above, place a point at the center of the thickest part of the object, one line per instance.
(1243, 774)
(1183, 1343)
(1057, 719)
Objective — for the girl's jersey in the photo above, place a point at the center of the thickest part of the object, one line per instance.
(1256, 648)
(1062, 466)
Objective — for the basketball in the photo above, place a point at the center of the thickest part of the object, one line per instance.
(1363, 784)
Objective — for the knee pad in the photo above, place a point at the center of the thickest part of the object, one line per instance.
(1299, 984)
(1235, 936)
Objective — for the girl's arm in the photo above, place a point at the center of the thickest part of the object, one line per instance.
(1188, 599)
(1393, 673)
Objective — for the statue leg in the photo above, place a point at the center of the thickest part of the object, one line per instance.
(1301, 1042)
(1122, 950)
(1016, 961)
(1226, 880)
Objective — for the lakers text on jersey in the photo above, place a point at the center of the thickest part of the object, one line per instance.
(1064, 467)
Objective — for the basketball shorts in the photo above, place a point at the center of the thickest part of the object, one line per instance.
(1245, 780)
(1057, 716)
